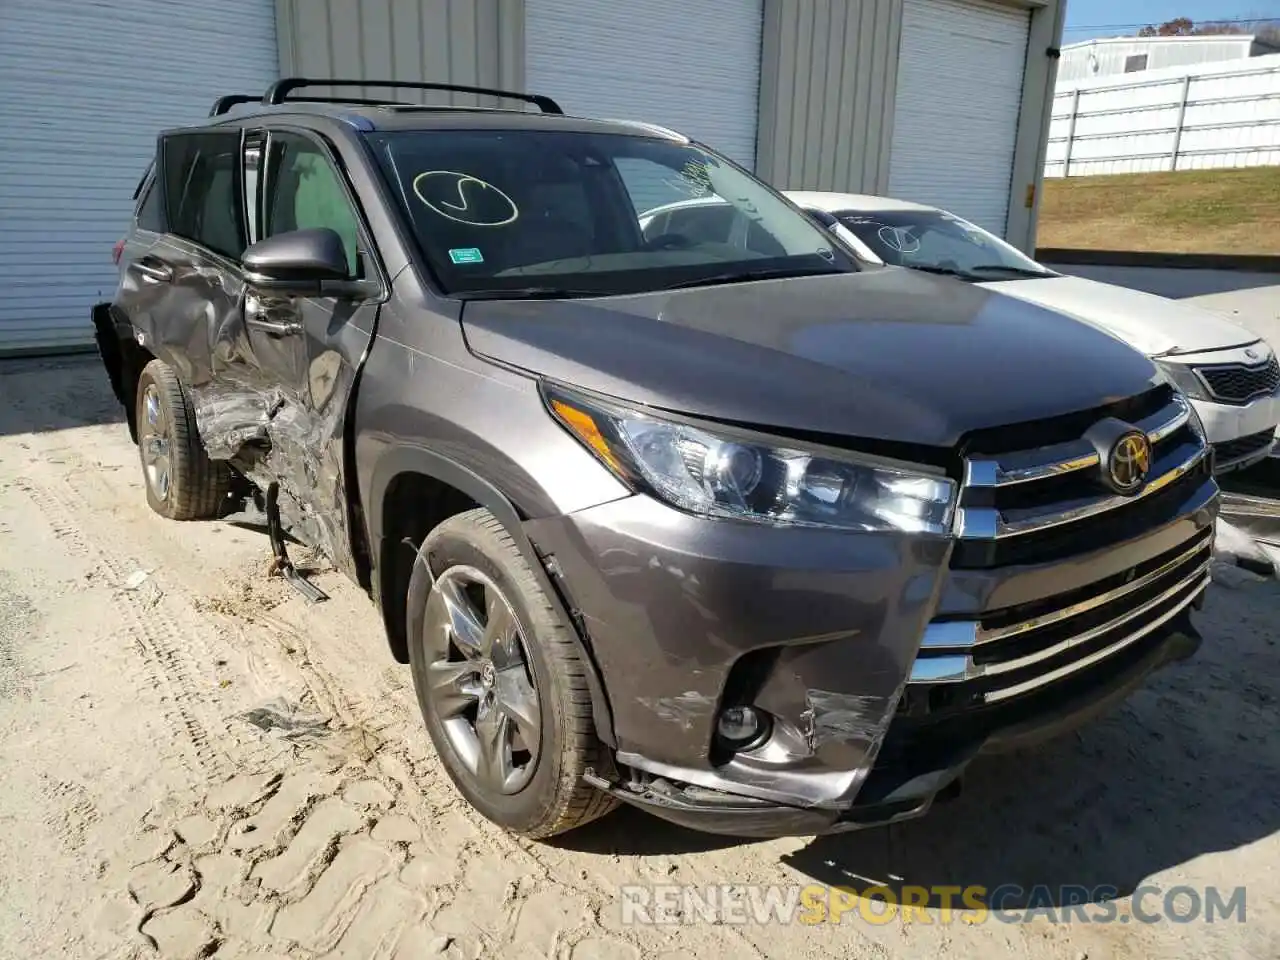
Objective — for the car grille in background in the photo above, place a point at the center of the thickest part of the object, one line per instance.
(1237, 383)
(1242, 448)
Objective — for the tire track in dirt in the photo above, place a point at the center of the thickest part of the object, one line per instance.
(158, 926)
(402, 759)
(71, 813)
(150, 624)
(252, 605)
(419, 861)
(16, 617)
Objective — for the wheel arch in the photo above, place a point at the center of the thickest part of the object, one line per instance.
(411, 491)
(123, 357)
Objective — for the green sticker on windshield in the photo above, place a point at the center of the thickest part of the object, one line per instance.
(466, 255)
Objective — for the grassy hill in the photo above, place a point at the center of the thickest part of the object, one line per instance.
(1194, 211)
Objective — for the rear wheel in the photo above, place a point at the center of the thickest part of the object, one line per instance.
(502, 689)
(182, 482)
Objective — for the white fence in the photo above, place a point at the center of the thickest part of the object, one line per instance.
(1178, 118)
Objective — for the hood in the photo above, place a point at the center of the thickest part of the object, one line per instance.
(1154, 325)
(886, 354)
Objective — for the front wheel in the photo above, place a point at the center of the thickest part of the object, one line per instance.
(502, 689)
(182, 482)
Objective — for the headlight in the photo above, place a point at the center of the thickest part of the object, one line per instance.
(1184, 379)
(721, 474)
(1193, 418)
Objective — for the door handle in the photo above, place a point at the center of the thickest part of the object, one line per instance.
(155, 270)
(274, 328)
(256, 316)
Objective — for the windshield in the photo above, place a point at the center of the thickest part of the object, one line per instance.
(559, 213)
(939, 241)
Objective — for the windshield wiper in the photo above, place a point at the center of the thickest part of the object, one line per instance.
(975, 273)
(941, 271)
(744, 276)
(1005, 268)
(527, 293)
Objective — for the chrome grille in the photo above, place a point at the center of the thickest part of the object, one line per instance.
(1001, 656)
(1033, 507)
(1015, 506)
(1239, 383)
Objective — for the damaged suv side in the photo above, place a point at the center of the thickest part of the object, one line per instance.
(738, 531)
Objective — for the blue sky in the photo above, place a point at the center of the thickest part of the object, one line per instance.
(1111, 18)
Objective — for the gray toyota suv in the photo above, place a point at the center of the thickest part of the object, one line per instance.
(739, 532)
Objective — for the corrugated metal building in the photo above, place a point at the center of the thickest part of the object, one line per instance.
(1096, 59)
(942, 101)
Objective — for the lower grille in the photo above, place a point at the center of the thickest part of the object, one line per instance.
(1009, 653)
(1241, 448)
(1237, 383)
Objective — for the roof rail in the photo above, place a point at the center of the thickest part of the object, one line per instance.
(223, 104)
(278, 91)
(652, 128)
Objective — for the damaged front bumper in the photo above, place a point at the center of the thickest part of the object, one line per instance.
(911, 775)
(823, 631)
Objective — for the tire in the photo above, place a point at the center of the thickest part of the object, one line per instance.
(547, 795)
(182, 482)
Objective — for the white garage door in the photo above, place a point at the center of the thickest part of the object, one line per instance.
(956, 115)
(87, 86)
(692, 65)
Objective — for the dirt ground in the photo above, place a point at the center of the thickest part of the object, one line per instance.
(196, 763)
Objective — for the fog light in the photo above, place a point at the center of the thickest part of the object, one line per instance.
(742, 727)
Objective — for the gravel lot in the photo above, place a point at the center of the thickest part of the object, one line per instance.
(196, 763)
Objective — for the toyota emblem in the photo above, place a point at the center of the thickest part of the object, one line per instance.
(1129, 462)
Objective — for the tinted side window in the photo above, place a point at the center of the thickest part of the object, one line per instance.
(202, 190)
(253, 183)
(305, 191)
(150, 215)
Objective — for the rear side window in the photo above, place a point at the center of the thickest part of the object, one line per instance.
(150, 212)
(202, 190)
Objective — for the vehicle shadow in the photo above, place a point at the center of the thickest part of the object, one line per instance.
(631, 832)
(1186, 767)
(46, 395)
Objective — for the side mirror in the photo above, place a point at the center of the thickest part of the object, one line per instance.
(825, 219)
(297, 261)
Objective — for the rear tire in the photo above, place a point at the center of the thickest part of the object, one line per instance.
(530, 675)
(182, 482)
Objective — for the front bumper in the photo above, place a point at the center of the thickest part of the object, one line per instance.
(823, 630)
(1238, 391)
(1227, 425)
(910, 777)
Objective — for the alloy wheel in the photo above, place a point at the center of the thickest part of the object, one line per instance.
(480, 685)
(155, 443)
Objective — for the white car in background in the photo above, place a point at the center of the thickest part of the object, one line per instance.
(1231, 376)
